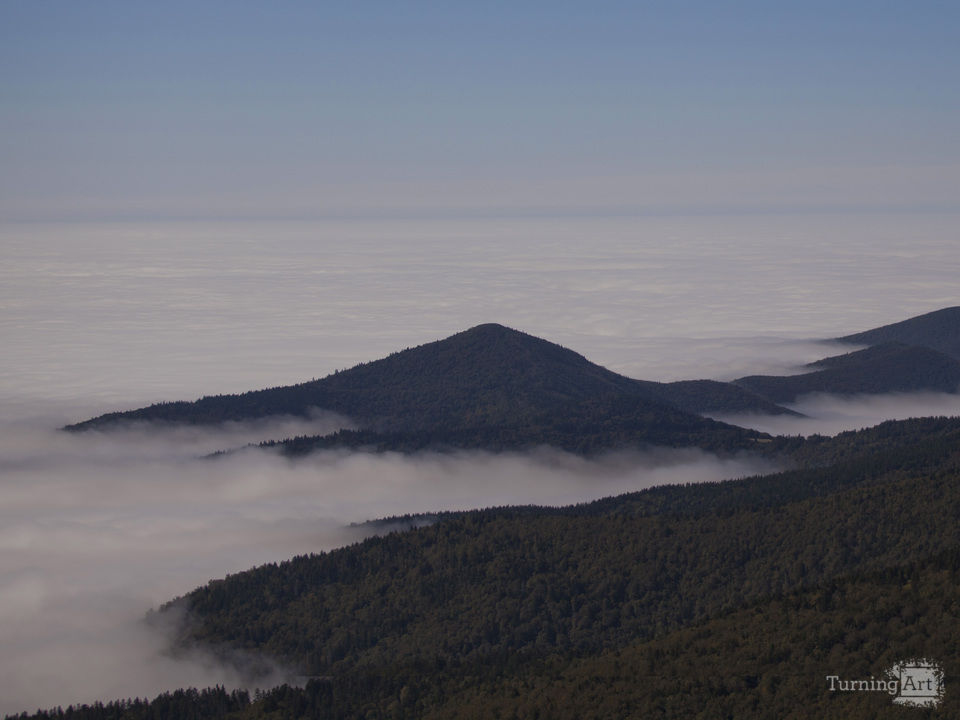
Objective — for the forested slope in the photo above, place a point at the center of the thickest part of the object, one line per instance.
(726, 599)
(489, 387)
(886, 368)
(939, 330)
(483, 594)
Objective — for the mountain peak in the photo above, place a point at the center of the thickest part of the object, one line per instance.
(489, 387)
(486, 374)
(490, 342)
(496, 331)
(490, 329)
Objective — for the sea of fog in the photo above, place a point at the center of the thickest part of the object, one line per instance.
(96, 529)
(126, 313)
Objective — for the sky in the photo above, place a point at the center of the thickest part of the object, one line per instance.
(240, 109)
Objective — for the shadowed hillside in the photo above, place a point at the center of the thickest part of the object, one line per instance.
(939, 330)
(712, 396)
(890, 367)
(764, 585)
(489, 387)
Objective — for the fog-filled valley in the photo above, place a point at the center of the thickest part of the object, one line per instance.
(97, 530)
(100, 527)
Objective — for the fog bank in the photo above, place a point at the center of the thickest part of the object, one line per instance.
(97, 528)
(130, 313)
(830, 414)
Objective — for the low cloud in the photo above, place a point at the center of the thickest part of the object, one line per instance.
(831, 414)
(669, 359)
(97, 528)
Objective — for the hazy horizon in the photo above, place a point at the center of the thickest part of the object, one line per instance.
(121, 313)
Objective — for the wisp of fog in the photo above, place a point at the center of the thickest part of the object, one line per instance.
(826, 414)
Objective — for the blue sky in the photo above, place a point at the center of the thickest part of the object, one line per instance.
(296, 109)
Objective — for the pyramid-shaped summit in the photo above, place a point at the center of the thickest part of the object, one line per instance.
(487, 374)
(489, 387)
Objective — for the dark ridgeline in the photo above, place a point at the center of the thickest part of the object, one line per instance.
(918, 354)
(494, 388)
(188, 704)
(708, 397)
(886, 368)
(939, 330)
(491, 388)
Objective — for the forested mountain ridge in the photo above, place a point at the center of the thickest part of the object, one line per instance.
(841, 565)
(494, 388)
(489, 387)
(921, 353)
(713, 396)
(487, 374)
(479, 596)
(768, 660)
(586, 427)
(480, 375)
(884, 368)
(939, 330)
